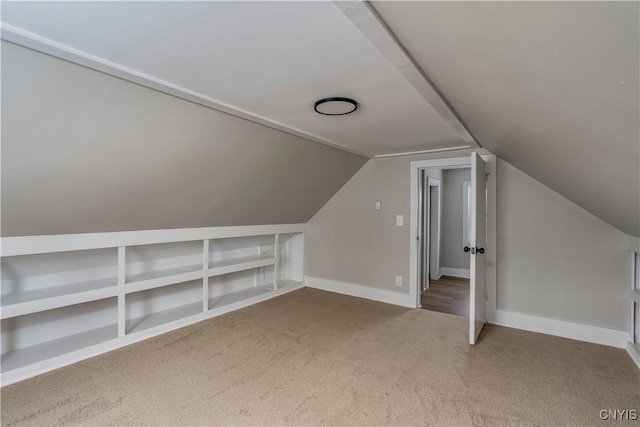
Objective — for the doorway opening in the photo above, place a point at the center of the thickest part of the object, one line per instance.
(444, 215)
(481, 231)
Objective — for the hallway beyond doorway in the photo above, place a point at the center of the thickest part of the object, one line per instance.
(447, 295)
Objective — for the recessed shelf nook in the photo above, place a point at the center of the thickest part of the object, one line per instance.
(69, 297)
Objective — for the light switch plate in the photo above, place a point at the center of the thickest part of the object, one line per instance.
(399, 220)
(378, 206)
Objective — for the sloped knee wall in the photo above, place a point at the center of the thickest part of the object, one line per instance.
(83, 151)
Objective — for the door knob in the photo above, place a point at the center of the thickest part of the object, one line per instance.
(474, 250)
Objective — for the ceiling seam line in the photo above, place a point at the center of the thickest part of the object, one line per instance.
(368, 21)
(80, 58)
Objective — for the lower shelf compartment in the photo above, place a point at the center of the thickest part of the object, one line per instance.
(152, 320)
(73, 348)
(234, 297)
(50, 349)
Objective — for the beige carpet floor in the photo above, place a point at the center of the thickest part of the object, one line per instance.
(316, 358)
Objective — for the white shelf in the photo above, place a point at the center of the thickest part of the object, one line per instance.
(163, 317)
(234, 297)
(48, 350)
(57, 296)
(160, 278)
(218, 268)
(251, 295)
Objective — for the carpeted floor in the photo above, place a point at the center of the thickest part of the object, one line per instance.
(313, 357)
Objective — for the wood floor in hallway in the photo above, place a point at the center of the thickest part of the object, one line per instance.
(447, 295)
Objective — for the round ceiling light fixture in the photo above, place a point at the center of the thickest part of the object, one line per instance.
(336, 106)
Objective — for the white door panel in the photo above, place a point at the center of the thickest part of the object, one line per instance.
(477, 302)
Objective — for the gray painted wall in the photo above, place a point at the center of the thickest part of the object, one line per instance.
(452, 254)
(555, 259)
(83, 151)
(349, 241)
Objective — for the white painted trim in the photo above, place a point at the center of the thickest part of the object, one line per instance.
(24, 245)
(434, 182)
(463, 273)
(635, 295)
(634, 352)
(85, 353)
(45, 45)
(411, 153)
(364, 16)
(205, 276)
(414, 223)
(451, 163)
(122, 272)
(466, 213)
(360, 291)
(562, 328)
(276, 264)
(492, 241)
(425, 240)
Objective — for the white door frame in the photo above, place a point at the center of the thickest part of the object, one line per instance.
(425, 267)
(414, 265)
(434, 255)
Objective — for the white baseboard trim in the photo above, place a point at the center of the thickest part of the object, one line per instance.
(634, 352)
(463, 273)
(360, 291)
(561, 328)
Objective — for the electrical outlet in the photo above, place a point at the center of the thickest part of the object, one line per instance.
(399, 220)
(398, 280)
(378, 205)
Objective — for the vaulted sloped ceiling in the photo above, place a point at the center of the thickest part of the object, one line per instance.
(266, 60)
(551, 87)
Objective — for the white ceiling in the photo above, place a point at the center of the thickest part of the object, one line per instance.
(551, 87)
(272, 59)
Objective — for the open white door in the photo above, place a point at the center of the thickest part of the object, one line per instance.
(477, 302)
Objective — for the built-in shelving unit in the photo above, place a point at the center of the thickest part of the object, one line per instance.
(66, 298)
